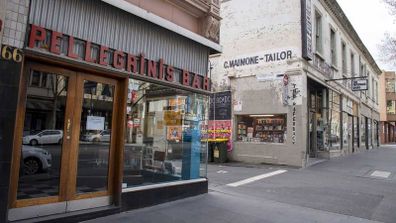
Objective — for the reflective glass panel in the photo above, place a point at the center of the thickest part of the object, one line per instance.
(163, 135)
(95, 137)
(42, 135)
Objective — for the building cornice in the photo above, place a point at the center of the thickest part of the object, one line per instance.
(337, 11)
(155, 19)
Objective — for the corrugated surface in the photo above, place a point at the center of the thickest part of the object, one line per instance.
(103, 24)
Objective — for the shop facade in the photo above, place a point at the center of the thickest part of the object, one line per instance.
(292, 94)
(110, 112)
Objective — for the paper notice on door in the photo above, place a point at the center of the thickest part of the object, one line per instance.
(95, 123)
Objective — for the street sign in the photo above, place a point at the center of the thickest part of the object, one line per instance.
(359, 85)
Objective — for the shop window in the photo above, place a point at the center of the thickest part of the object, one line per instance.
(165, 134)
(335, 120)
(363, 130)
(262, 128)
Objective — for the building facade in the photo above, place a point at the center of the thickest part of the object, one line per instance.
(105, 102)
(280, 60)
(387, 104)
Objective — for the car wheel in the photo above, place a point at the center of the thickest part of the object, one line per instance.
(33, 142)
(31, 166)
(60, 141)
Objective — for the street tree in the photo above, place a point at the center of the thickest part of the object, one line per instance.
(388, 43)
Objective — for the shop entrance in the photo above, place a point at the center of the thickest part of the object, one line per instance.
(317, 105)
(64, 144)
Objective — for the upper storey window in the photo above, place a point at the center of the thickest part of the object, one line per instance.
(318, 32)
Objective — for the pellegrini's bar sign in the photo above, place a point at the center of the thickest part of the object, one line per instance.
(55, 42)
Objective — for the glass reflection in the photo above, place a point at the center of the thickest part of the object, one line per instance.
(42, 135)
(163, 137)
(95, 137)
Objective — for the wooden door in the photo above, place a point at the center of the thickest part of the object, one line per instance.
(50, 178)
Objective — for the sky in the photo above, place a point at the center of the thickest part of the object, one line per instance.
(371, 20)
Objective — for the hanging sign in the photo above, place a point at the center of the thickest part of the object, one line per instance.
(360, 85)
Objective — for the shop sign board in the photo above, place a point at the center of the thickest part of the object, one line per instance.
(220, 106)
(260, 58)
(134, 65)
(359, 85)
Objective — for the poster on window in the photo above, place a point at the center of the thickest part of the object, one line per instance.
(95, 123)
(174, 133)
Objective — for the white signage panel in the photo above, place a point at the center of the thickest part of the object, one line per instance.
(360, 85)
(95, 123)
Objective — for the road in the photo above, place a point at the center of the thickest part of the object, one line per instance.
(357, 188)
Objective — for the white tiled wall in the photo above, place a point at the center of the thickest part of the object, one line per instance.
(15, 22)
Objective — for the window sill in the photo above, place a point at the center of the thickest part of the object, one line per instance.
(335, 67)
(319, 55)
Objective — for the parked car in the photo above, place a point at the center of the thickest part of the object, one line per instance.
(44, 137)
(35, 160)
(101, 136)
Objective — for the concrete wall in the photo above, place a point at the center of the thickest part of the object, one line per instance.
(266, 98)
(254, 28)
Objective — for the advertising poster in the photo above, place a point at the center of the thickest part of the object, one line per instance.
(174, 133)
(221, 130)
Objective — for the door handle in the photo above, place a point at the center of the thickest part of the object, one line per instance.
(68, 125)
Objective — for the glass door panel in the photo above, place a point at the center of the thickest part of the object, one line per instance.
(95, 137)
(41, 151)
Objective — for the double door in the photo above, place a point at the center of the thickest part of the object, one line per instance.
(76, 171)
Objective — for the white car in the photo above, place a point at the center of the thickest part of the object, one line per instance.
(102, 136)
(44, 137)
(35, 160)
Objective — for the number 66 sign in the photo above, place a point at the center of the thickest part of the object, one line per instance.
(11, 53)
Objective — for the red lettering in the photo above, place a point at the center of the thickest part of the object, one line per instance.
(103, 55)
(55, 42)
(196, 82)
(161, 69)
(186, 78)
(170, 73)
(88, 54)
(152, 69)
(142, 63)
(131, 63)
(118, 60)
(206, 84)
(36, 34)
(70, 50)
